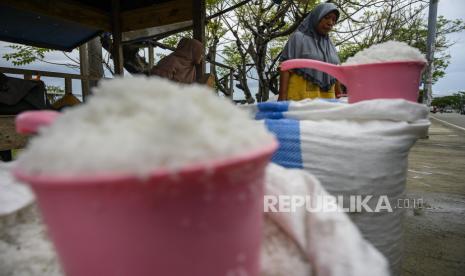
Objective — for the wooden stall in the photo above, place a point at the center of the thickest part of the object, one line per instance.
(67, 24)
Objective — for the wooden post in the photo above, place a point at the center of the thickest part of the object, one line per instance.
(84, 68)
(94, 55)
(68, 86)
(116, 32)
(199, 17)
(151, 57)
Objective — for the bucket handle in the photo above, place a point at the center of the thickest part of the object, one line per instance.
(29, 122)
(331, 69)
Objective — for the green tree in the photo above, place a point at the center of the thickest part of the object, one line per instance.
(23, 55)
(399, 20)
(260, 29)
(456, 101)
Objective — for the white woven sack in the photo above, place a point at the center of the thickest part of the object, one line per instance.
(353, 149)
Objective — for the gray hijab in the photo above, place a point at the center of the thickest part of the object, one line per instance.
(307, 43)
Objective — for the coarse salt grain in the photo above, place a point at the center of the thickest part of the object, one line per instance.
(138, 124)
(385, 52)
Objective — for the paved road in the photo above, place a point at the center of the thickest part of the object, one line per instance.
(435, 234)
(451, 118)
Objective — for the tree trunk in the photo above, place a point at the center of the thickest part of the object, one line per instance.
(263, 81)
(84, 70)
(242, 77)
(211, 55)
(259, 57)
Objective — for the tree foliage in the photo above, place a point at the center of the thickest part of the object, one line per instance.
(23, 55)
(456, 101)
(259, 31)
(413, 31)
(362, 23)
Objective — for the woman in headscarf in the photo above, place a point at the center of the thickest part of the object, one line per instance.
(311, 41)
(179, 66)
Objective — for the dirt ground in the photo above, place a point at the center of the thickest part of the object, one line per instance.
(434, 237)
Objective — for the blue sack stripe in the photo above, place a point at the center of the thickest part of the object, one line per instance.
(269, 115)
(271, 110)
(332, 100)
(289, 153)
(282, 106)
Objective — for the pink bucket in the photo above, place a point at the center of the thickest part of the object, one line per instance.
(386, 80)
(206, 219)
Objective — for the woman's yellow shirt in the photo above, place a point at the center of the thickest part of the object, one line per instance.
(300, 88)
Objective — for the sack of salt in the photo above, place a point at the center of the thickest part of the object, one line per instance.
(300, 242)
(355, 150)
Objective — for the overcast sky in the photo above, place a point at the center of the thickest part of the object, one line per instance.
(453, 81)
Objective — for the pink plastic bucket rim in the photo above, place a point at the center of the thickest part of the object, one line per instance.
(112, 177)
(394, 62)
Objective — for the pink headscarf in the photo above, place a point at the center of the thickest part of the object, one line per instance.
(179, 66)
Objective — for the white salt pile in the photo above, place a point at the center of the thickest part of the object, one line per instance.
(24, 247)
(138, 124)
(387, 51)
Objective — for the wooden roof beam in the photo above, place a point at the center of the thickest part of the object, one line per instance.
(156, 15)
(66, 10)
